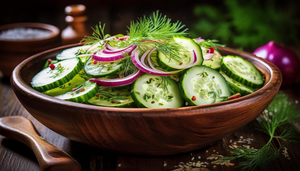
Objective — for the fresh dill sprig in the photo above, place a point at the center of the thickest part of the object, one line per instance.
(156, 26)
(279, 115)
(97, 35)
(156, 31)
(210, 43)
(128, 66)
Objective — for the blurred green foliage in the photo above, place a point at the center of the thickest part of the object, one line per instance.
(248, 24)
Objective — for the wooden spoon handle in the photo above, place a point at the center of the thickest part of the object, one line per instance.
(49, 157)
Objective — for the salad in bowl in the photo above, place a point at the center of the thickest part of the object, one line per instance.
(156, 65)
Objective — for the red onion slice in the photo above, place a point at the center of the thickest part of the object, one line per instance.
(208, 56)
(137, 62)
(109, 49)
(100, 56)
(112, 55)
(117, 81)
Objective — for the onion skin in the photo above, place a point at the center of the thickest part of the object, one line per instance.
(284, 58)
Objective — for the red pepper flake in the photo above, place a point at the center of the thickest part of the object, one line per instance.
(52, 66)
(194, 98)
(180, 63)
(74, 89)
(113, 101)
(49, 61)
(237, 95)
(210, 50)
(95, 62)
(149, 81)
(97, 95)
(152, 102)
(82, 89)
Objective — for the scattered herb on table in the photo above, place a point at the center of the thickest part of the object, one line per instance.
(279, 115)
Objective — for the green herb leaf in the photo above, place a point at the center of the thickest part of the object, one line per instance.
(279, 114)
(97, 35)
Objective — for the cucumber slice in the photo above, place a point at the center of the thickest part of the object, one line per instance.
(215, 62)
(51, 62)
(237, 87)
(81, 93)
(111, 98)
(73, 52)
(80, 78)
(100, 69)
(171, 63)
(63, 72)
(201, 85)
(242, 71)
(153, 91)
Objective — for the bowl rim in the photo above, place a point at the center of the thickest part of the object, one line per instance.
(54, 31)
(16, 79)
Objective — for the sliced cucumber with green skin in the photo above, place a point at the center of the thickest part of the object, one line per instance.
(151, 92)
(236, 86)
(242, 71)
(215, 62)
(81, 93)
(63, 72)
(73, 52)
(80, 78)
(201, 85)
(51, 62)
(99, 69)
(171, 63)
(111, 98)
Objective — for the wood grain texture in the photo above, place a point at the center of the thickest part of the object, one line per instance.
(143, 131)
(15, 156)
(49, 157)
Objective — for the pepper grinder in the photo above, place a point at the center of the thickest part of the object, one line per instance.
(76, 30)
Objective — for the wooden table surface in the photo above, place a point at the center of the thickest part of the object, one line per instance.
(16, 156)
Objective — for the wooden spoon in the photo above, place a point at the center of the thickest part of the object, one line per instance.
(49, 157)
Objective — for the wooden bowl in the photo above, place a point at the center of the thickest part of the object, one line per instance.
(142, 131)
(13, 51)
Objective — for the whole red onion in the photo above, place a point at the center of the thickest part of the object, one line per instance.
(284, 58)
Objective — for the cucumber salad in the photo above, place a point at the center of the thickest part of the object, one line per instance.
(156, 65)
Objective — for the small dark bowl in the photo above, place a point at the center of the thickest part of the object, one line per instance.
(15, 51)
(143, 131)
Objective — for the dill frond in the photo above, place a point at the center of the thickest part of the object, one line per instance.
(97, 35)
(210, 43)
(157, 30)
(279, 114)
(128, 65)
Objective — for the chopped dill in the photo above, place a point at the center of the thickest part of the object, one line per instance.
(57, 71)
(111, 96)
(165, 82)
